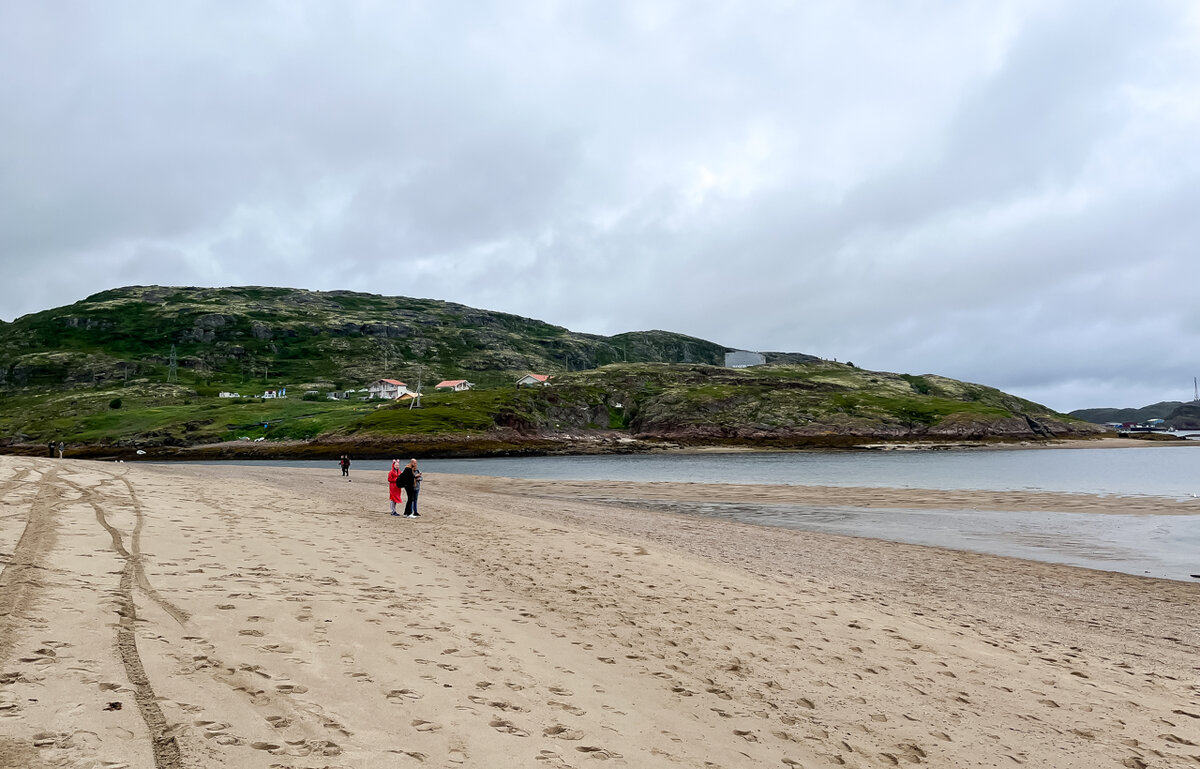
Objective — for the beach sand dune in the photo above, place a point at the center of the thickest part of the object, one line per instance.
(202, 616)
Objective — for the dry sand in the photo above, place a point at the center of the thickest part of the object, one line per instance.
(200, 616)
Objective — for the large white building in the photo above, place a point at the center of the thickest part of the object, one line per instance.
(744, 359)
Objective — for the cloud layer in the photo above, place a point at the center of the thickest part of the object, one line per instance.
(998, 192)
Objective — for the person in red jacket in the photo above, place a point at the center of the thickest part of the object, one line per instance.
(395, 493)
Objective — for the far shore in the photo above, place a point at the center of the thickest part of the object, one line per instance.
(513, 445)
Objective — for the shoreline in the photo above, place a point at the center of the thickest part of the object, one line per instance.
(459, 447)
(282, 618)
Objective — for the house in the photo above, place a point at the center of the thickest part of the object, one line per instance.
(387, 389)
(454, 385)
(228, 395)
(534, 380)
(744, 359)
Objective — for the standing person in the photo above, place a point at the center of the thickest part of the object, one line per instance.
(416, 489)
(345, 463)
(61, 447)
(409, 480)
(51, 447)
(394, 485)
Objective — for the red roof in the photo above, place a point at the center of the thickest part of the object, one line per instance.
(394, 381)
(449, 383)
(540, 377)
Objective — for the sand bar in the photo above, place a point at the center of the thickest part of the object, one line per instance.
(201, 616)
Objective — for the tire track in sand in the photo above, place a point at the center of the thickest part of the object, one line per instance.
(17, 479)
(134, 553)
(18, 583)
(163, 744)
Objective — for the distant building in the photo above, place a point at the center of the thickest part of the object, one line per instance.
(280, 393)
(227, 395)
(744, 359)
(534, 380)
(455, 385)
(387, 389)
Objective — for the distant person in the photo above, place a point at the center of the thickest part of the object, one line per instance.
(410, 481)
(345, 463)
(61, 448)
(50, 448)
(394, 487)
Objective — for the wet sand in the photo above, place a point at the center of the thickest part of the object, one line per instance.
(204, 616)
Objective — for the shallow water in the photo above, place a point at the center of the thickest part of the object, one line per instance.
(1164, 546)
(1151, 545)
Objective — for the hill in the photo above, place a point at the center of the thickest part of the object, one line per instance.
(97, 374)
(335, 338)
(1176, 414)
(1104, 415)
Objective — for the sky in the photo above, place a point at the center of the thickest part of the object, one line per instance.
(1002, 192)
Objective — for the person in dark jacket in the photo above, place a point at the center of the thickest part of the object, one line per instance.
(345, 463)
(410, 481)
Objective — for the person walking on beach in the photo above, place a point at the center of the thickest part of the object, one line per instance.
(345, 463)
(61, 448)
(394, 487)
(410, 479)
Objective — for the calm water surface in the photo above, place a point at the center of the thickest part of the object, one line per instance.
(1160, 546)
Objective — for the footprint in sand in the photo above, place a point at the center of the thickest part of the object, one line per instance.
(291, 689)
(425, 726)
(572, 709)
(397, 694)
(507, 727)
(560, 732)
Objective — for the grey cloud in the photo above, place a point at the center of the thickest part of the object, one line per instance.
(958, 189)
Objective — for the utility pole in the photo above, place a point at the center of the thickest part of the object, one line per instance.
(414, 401)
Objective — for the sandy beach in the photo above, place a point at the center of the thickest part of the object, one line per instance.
(202, 616)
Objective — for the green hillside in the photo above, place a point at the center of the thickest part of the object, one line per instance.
(97, 374)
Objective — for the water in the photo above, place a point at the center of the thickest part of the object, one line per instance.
(1160, 471)
(1164, 546)
(1152, 545)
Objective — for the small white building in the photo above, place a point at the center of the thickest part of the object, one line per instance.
(534, 380)
(387, 389)
(454, 385)
(744, 359)
(228, 395)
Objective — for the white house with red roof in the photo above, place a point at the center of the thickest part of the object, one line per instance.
(534, 380)
(387, 389)
(454, 385)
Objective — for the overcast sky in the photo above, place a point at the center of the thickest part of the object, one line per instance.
(1002, 192)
